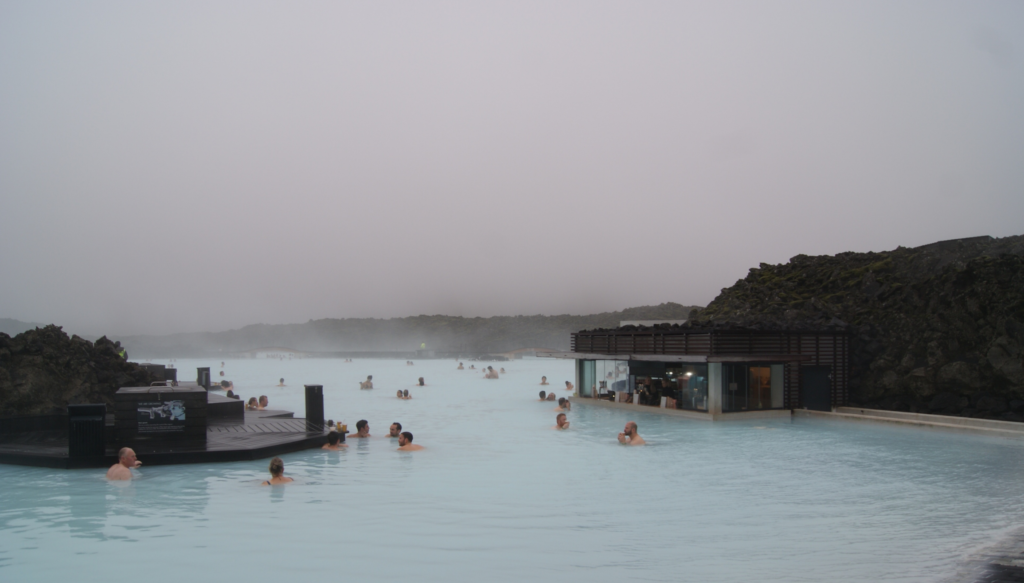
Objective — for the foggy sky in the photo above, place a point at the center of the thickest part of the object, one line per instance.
(188, 166)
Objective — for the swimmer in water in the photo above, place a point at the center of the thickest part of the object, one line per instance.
(264, 402)
(277, 476)
(543, 395)
(334, 441)
(362, 428)
(368, 383)
(491, 373)
(629, 436)
(561, 404)
(421, 383)
(252, 405)
(399, 394)
(551, 396)
(405, 394)
(126, 462)
(569, 386)
(280, 383)
(543, 381)
(405, 442)
(560, 422)
(395, 430)
(460, 367)
(502, 370)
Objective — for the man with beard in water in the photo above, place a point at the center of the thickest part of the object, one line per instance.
(405, 442)
(629, 436)
(560, 422)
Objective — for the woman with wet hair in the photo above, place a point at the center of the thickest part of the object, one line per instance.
(252, 405)
(277, 476)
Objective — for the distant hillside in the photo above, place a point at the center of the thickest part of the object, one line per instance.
(442, 333)
(15, 327)
(937, 328)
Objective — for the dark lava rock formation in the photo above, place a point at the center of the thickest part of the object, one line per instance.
(42, 371)
(933, 329)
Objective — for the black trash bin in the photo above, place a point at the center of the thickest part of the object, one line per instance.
(86, 425)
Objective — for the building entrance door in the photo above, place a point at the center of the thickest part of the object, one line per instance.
(816, 387)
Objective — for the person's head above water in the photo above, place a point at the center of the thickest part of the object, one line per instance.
(543, 395)
(399, 395)
(362, 428)
(369, 377)
(404, 438)
(561, 401)
(405, 393)
(333, 438)
(421, 381)
(264, 401)
(395, 430)
(276, 467)
(561, 422)
(225, 384)
(281, 381)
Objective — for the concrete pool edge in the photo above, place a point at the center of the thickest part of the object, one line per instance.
(958, 424)
(767, 414)
(1006, 429)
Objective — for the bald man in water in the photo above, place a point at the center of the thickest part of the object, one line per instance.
(629, 436)
(122, 470)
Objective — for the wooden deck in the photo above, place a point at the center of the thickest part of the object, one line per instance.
(261, 434)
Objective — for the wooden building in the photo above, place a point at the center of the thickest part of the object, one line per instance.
(713, 372)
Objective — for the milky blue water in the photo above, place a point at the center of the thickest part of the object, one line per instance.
(500, 496)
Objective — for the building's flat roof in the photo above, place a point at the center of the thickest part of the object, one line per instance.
(694, 358)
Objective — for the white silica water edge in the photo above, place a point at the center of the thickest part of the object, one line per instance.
(498, 495)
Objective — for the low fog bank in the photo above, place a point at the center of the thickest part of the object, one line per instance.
(439, 333)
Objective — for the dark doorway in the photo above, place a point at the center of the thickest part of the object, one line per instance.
(816, 387)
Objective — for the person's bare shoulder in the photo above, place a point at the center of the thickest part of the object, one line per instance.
(637, 441)
(411, 447)
(119, 472)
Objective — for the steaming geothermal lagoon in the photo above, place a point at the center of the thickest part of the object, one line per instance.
(500, 496)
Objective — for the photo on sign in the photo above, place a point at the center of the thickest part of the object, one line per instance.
(161, 416)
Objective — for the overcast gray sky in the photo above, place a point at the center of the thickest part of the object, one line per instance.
(185, 166)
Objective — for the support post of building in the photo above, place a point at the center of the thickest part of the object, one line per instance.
(714, 389)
